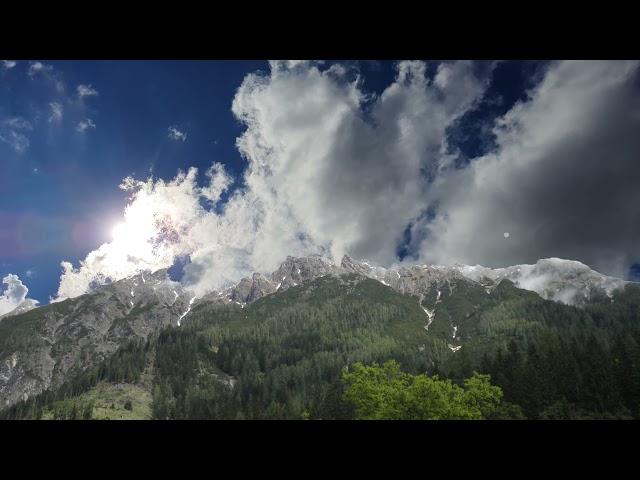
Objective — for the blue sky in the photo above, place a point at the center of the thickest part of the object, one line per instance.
(60, 195)
(69, 180)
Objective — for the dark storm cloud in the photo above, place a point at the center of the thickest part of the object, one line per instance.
(564, 181)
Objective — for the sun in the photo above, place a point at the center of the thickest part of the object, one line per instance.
(131, 239)
(134, 232)
(118, 230)
(145, 237)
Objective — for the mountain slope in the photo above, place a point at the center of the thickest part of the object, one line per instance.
(280, 356)
(43, 347)
(432, 318)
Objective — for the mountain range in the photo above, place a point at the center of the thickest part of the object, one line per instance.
(273, 345)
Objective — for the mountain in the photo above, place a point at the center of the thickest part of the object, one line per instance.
(273, 345)
(41, 348)
(566, 281)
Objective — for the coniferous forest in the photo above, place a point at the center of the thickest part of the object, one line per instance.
(359, 350)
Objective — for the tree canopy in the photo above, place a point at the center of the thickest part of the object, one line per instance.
(384, 392)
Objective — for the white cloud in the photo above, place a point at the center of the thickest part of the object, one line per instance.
(154, 229)
(9, 64)
(86, 91)
(219, 182)
(351, 183)
(13, 294)
(57, 112)
(39, 67)
(175, 134)
(13, 133)
(321, 178)
(332, 170)
(85, 124)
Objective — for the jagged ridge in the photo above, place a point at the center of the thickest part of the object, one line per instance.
(564, 281)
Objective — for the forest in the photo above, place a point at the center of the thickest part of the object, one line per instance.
(341, 349)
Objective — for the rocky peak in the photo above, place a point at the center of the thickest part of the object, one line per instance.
(148, 288)
(251, 289)
(297, 270)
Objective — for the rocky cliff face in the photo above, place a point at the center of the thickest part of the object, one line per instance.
(44, 346)
(564, 281)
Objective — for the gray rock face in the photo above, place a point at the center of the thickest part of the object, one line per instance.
(297, 270)
(63, 338)
(554, 279)
(565, 281)
(293, 271)
(412, 280)
(249, 290)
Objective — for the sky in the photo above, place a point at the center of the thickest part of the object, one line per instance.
(222, 168)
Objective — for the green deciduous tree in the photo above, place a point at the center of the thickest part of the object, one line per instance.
(380, 392)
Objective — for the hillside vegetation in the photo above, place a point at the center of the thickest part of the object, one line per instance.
(297, 355)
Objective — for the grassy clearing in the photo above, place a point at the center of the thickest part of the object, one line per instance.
(121, 401)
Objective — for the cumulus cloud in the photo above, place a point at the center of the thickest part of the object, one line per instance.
(563, 181)
(323, 176)
(334, 170)
(155, 228)
(353, 180)
(57, 112)
(219, 182)
(175, 134)
(8, 64)
(85, 124)
(86, 91)
(14, 292)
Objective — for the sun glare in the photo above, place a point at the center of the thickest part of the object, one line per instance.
(133, 232)
(118, 230)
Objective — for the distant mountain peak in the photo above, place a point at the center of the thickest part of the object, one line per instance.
(566, 281)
